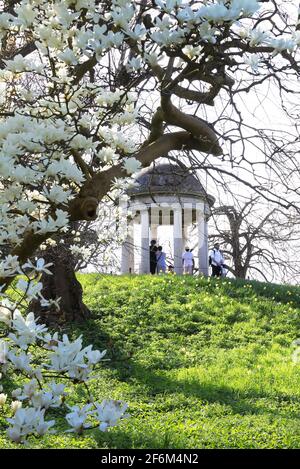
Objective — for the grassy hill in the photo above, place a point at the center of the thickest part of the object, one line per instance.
(202, 363)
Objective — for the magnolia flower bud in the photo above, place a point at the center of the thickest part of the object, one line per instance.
(3, 398)
(5, 315)
(15, 405)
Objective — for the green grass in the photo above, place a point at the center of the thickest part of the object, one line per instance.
(202, 363)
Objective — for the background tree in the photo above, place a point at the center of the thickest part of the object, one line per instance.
(92, 91)
(261, 242)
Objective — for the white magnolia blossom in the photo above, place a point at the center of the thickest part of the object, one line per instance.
(6, 312)
(57, 389)
(281, 44)
(131, 165)
(50, 340)
(257, 37)
(25, 14)
(26, 328)
(191, 51)
(81, 251)
(52, 225)
(52, 303)
(64, 169)
(3, 352)
(3, 398)
(228, 11)
(16, 393)
(94, 356)
(18, 64)
(29, 390)
(39, 267)
(27, 421)
(9, 266)
(253, 61)
(107, 154)
(109, 412)
(134, 64)
(78, 416)
(31, 289)
(15, 405)
(57, 194)
(207, 32)
(246, 7)
(21, 362)
(70, 357)
(68, 57)
(168, 5)
(138, 33)
(45, 400)
(296, 37)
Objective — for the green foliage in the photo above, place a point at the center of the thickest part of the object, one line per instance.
(202, 363)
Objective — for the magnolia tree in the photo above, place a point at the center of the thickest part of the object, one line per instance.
(87, 245)
(93, 90)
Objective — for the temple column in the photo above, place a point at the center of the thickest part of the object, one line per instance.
(187, 225)
(177, 240)
(202, 242)
(154, 222)
(145, 253)
(127, 259)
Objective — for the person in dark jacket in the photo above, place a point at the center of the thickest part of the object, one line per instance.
(153, 260)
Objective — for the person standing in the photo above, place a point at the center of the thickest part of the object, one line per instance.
(188, 261)
(153, 261)
(161, 259)
(216, 260)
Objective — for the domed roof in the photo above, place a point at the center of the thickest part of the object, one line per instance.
(169, 179)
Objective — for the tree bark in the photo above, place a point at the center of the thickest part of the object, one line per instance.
(64, 285)
(240, 271)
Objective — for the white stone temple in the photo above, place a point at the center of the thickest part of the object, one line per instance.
(166, 195)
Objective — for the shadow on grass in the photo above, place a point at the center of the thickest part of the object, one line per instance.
(118, 359)
(125, 369)
(158, 385)
(154, 434)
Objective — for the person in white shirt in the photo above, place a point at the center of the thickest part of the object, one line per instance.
(216, 260)
(188, 262)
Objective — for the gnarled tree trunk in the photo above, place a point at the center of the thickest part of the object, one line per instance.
(64, 285)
